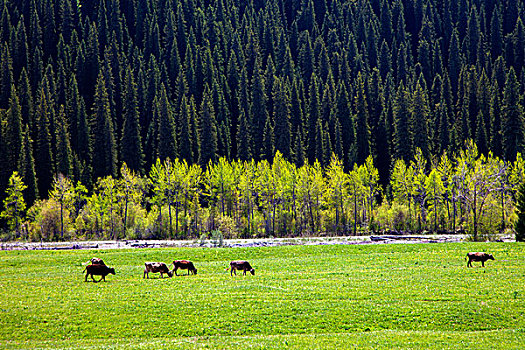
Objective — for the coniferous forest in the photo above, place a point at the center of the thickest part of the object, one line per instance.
(174, 118)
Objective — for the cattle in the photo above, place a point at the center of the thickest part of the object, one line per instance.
(241, 265)
(97, 261)
(156, 267)
(478, 256)
(184, 265)
(94, 261)
(99, 270)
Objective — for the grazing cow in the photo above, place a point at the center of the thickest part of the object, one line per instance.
(477, 256)
(97, 261)
(94, 261)
(99, 270)
(241, 265)
(156, 267)
(184, 265)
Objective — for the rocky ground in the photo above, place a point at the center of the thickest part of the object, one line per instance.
(232, 243)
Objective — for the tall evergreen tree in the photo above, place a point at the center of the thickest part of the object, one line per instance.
(512, 122)
(207, 130)
(64, 158)
(362, 127)
(402, 141)
(104, 145)
(26, 169)
(13, 135)
(282, 119)
(131, 142)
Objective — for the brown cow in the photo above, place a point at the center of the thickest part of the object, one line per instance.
(156, 267)
(478, 256)
(241, 265)
(94, 261)
(99, 270)
(184, 265)
(97, 261)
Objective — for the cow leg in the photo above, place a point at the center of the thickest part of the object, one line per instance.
(93, 278)
(469, 264)
(102, 278)
(244, 272)
(482, 263)
(85, 280)
(176, 271)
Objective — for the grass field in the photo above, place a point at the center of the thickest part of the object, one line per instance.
(302, 297)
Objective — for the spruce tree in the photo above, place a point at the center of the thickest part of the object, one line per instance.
(243, 138)
(207, 130)
(13, 135)
(64, 157)
(184, 138)
(419, 120)
(362, 126)
(512, 123)
(268, 141)
(131, 142)
(282, 119)
(26, 169)
(402, 141)
(104, 145)
(43, 154)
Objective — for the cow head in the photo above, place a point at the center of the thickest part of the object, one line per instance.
(111, 271)
(252, 271)
(490, 257)
(170, 273)
(195, 271)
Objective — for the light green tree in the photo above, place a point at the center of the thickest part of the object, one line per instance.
(14, 203)
(63, 193)
(435, 189)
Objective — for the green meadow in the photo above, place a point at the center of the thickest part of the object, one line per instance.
(417, 296)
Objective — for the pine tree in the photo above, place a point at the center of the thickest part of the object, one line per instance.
(207, 130)
(13, 135)
(282, 119)
(258, 111)
(314, 114)
(402, 141)
(419, 120)
(64, 158)
(43, 155)
(184, 136)
(26, 169)
(362, 126)
(268, 141)
(512, 123)
(243, 138)
(131, 142)
(104, 145)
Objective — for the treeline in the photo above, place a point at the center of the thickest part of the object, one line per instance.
(466, 193)
(88, 85)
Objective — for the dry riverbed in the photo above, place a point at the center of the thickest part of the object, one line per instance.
(232, 243)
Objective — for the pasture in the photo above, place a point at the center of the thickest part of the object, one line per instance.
(419, 296)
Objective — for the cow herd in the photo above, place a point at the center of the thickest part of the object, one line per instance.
(99, 268)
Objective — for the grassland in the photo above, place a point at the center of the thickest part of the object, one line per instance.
(418, 296)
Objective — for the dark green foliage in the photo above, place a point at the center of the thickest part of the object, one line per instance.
(512, 123)
(104, 145)
(26, 169)
(64, 159)
(207, 131)
(280, 67)
(131, 142)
